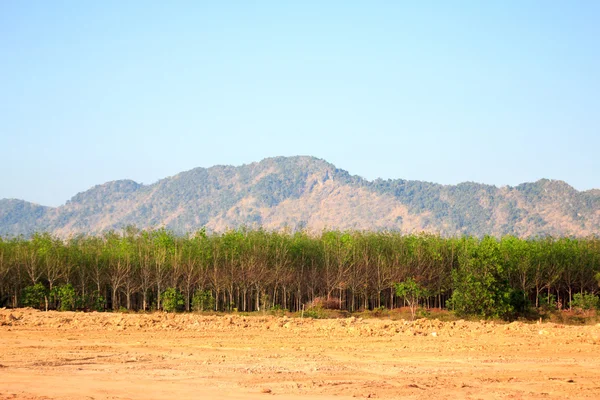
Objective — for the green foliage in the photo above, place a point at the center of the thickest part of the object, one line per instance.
(548, 303)
(65, 296)
(585, 301)
(315, 313)
(518, 302)
(339, 271)
(422, 312)
(95, 302)
(172, 300)
(409, 289)
(478, 286)
(473, 295)
(35, 296)
(203, 300)
(277, 310)
(380, 311)
(412, 292)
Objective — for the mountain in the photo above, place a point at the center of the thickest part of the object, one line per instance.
(309, 193)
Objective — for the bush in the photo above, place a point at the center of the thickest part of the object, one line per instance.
(265, 300)
(472, 295)
(380, 311)
(203, 300)
(66, 297)
(277, 310)
(548, 303)
(315, 313)
(172, 300)
(516, 305)
(90, 302)
(422, 312)
(35, 296)
(479, 284)
(585, 301)
(97, 301)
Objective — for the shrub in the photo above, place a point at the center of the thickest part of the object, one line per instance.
(422, 312)
(97, 301)
(35, 296)
(66, 297)
(265, 300)
(277, 310)
(203, 300)
(585, 301)
(480, 296)
(318, 308)
(172, 300)
(315, 313)
(90, 302)
(516, 304)
(479, 284)
(380, 311)
(548, 302)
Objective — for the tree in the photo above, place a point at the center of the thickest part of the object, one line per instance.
(146, 272)
(164, 248)
(118, 261)
(412, 292)
(478, 285)
(255, 269)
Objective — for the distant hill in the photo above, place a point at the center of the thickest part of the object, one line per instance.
(309, 193)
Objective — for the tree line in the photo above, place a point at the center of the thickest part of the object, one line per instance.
(252, 270)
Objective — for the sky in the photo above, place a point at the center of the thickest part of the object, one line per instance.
(499, 92)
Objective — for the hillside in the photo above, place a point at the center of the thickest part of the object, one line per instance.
(309, 193)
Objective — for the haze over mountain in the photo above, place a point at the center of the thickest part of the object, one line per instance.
(309, 193)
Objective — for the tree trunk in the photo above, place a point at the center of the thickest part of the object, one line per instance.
(114, 299)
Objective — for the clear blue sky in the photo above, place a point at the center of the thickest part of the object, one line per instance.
(495, 92)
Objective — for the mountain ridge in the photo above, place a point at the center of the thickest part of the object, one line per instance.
(304, 192)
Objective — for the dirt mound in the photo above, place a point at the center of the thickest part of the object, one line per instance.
(159, 321)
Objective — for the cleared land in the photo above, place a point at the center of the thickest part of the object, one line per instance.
(158, 356)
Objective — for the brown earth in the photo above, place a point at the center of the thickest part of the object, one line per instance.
(52, 355)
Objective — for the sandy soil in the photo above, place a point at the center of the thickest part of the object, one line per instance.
(158, 356)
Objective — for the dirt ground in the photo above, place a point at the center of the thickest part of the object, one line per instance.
(52, 355)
